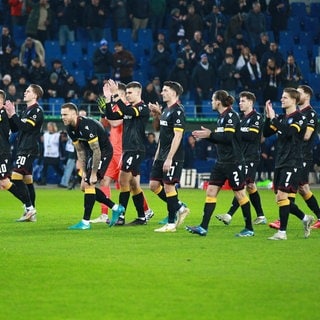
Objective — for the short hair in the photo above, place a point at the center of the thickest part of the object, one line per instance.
(3, 94)
(249, 95)
(293, 93)
(223, 96)
(121, 86)
(134, 84)
(37, 90)
(175, 86)
(306, 89)
(70, 106)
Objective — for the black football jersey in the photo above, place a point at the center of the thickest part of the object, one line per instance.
(4, 132)
(172, 118)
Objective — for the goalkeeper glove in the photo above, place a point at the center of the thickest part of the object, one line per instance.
(102, 105)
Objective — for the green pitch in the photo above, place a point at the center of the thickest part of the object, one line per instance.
(49, 272)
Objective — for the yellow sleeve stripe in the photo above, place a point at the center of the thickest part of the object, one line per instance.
(75, 142)
(136, 111)
(296, 126)
(178, 129)
(93, 140)
(310, 128)
(273, 128)
(120, 112)
(229, 130)
(254, 130)
(31, 122)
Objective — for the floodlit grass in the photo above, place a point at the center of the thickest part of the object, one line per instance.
(49, 272)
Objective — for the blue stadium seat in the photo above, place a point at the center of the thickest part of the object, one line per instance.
(145, 40)
(315, 9)
(315, 51)
(189, 108)
(286, 38)
(300, 52)
(52, 49)
(124, 36)
(294, 25)
(19, 34)
(314, 83)
(74, 50)
(270, 35)
(107, 34)
(55, 105)
(306, 39)
(304, 66)
(80, 77)
(298, 9)
(311, 24)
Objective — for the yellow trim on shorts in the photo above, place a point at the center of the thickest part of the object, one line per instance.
(284, 202)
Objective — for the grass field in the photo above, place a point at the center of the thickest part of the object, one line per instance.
(49, 272)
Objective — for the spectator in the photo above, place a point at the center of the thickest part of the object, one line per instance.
(215, 22)
(81, 31)
(5, 82)
(93, 85)
(51, 87)
(67, 21)
(102, 61)
(120, 16)
(193, 23)
(7, 47)
(124, 62)
(279, 11)
(95, 15)
(157, 15)
(30, 49)
(274, 53)
(12, 94)
(139, 13)
(149, 94)
(39, 20)
(180, 74)
(89, 102)
(271, 80)
(59, 69)
(38, 73)
(18, 11)
(51, 151)
(291, 73)
(204, 79)
(15, 69)
(70, 90)
(161, 37)
(176, 26)
(255, 24)
(160, 62)
(251, 78)
(228, 75)
(188, 56)
(235, 26)
(151, 146)
(243, 58)
(237, 44)
(21, 87)
(215, 54)
(197, 44)
(262, 46)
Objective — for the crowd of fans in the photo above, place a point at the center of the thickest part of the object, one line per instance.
(204, 45)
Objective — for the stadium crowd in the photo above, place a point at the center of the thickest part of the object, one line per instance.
(204, 45)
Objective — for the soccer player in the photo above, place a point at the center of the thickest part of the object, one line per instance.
(28, 126)
(308, 140)
(229, 165)
(168, 163)
(290, 128)
(113, 171)
(251, 126)
(94, 152)
(135, 116)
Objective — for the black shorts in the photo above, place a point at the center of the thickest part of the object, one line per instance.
(131, 162)
(235, 173)
(103, 165)
(170, 177)
(5, 166)
(304, 172)
(286, 179)
(251, 171)
(24, 164)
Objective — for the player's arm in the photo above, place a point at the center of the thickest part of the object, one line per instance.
(96, 158)
(178, 134)
(81, 155)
